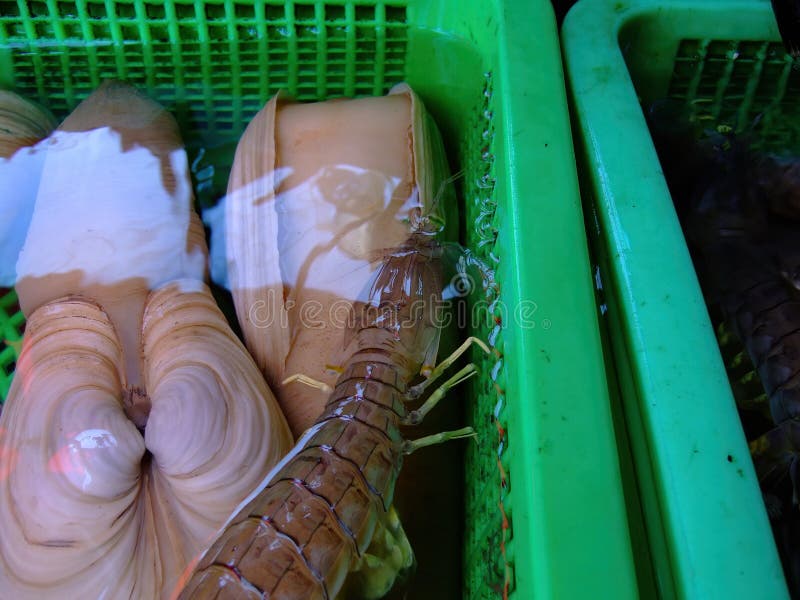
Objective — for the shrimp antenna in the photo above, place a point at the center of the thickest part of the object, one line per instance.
(443, 185)
(445, 182)
(432, 213)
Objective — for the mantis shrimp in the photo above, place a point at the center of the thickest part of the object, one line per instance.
(321, 525)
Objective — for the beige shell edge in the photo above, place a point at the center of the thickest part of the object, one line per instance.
(22, 123)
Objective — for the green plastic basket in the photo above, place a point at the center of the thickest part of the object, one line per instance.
(544, 509)
(705, 519)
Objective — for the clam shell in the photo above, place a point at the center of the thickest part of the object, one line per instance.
(22, 123)
(136, 421)
(92, 508)
(317, 194)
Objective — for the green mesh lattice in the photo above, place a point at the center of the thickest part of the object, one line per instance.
(11, 325)
(741, 84)
(213, 64)
(735, 83)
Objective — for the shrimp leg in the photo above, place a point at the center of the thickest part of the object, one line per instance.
(417, 390)
(309, 381)
(389, 557)
(415, 417)
(410, 446)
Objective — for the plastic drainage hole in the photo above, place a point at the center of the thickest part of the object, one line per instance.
(126, 11)
(9, 9)
(155, 11)
(304, 12)
(334, 12)
(396, 14)
(365, 13)
(37, 8)
(274, 13)
(215, 12)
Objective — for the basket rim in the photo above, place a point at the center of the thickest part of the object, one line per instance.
(665, 326)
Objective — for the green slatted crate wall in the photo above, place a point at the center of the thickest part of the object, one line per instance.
(12, 323)
(545, 440)
(705, 519)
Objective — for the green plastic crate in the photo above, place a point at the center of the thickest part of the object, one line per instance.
(705, 519)
(544, 509)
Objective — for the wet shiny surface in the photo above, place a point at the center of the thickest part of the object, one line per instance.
(136, 420)
(331, 512)
(113, 227)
